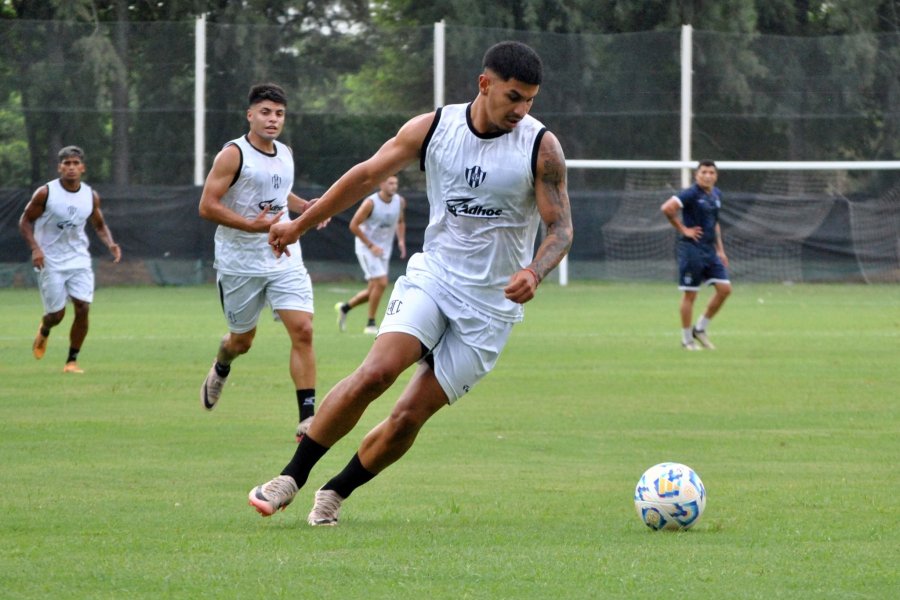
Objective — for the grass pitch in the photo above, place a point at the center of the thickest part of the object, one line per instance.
(116, 484)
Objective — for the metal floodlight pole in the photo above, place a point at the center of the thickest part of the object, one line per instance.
(440, 57)
(687, 112)
(199, 97)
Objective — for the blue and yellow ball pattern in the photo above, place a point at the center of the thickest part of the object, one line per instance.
(670, 496)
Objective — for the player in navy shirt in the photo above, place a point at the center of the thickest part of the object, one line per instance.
(699, 250)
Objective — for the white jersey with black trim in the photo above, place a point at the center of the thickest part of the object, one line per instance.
(483, 215)
(59, 231)
(262, 184)
(381, 226)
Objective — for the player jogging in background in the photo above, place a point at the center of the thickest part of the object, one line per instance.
(53, 225)
(247, 190)
(376, 222)
(700, 252)
(493, 174)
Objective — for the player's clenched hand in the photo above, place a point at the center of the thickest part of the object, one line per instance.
(37, 258)
(281, 235)
(264, 220)
(522, 286)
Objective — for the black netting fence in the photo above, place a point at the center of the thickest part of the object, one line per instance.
(125, 92)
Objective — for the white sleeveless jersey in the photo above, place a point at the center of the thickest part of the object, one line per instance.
(60, 230)
(263, 184)
(483, 216)
(381, 225)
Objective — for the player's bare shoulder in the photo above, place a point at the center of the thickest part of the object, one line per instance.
(551, 162)
(35, 207)
(416, 129)
(228, 159)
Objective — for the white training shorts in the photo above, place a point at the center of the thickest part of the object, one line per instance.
(57, 286)
(244, 297)
(465, 343)
(372, 266)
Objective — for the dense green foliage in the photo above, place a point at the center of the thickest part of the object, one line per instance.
(77, 70)
(117, 484)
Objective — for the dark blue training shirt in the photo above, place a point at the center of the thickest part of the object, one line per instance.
(700, 208)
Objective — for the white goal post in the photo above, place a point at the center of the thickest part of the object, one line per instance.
(741, 165)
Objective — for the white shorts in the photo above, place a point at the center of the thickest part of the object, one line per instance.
(244, 297)
(57, 286)
(373, 266)
(465, 343)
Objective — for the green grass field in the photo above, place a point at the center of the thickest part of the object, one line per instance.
(116, 484)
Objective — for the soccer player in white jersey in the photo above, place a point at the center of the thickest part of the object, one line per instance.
(493, 174)
(53, 226)
(376, 222)
(246, 191)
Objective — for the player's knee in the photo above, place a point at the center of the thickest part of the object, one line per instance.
(375, 378)
(236, 345)
(302, 333)
(54, 319)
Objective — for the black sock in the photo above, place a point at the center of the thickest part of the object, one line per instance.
(306, 402)
(222, 370)
(306, 456)
(353, 476)
(45, 331)
(73, 354)
(371, 323)
(345, 308)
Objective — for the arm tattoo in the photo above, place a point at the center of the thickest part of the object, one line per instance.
(555, 210)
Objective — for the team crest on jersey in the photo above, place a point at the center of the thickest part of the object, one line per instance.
(70, 222)
(475, 176)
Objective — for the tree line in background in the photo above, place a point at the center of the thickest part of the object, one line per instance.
(357, 73)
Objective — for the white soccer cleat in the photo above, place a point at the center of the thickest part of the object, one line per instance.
(273, 496)
(211, 389)
(325, 510)
(341, 316)
(691, 346)
(700, 336)
(370, 330)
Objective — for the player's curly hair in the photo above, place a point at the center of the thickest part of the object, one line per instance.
(514, 60)
(267, 91)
